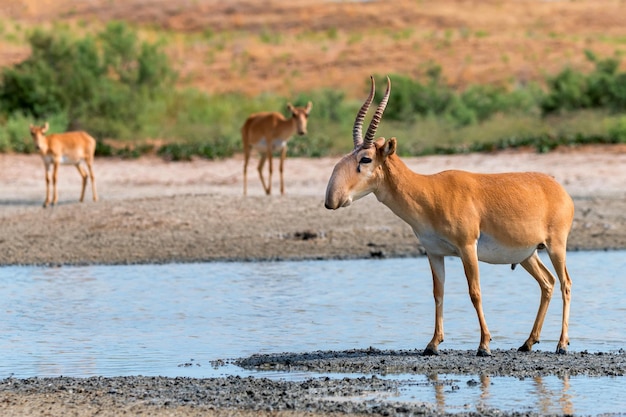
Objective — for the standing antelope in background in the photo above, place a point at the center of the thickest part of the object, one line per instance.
(268, 132)
(71, 148)
(495, 218)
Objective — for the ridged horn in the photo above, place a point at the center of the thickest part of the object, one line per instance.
(357, 130)
(371, 130)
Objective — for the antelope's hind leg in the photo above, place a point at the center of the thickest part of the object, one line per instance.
(557, 255)
(262, 159)
(92, 177)
(546, 281)
(83, 175)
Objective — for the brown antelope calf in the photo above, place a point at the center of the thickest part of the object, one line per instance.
(495, 218)
(269, 132)
(71, 148)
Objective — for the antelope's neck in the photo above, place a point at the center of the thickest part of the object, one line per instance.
(405, 192)
(285, 128)
(44, 145)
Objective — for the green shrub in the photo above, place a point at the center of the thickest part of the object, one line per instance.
(185, 151)
(617, 132)
(604, 87)
(114, 86)
(101, 83)
(15, 136)
(412, 99)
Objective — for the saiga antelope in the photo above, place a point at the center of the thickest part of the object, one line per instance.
(269, 132)
(495, 218)
(71, 148)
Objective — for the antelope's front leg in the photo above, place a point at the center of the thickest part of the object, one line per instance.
(437, 267)
(55, 174)
(283, 154)
(48, 179)
(270, 162)
(262, 158)
(469, 257)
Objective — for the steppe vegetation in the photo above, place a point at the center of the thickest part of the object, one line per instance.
(126, 78)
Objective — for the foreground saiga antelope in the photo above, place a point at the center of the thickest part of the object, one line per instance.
(269, 132)
(71, 148)
(495, 218)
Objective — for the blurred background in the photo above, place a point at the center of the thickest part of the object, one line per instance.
(178, 79)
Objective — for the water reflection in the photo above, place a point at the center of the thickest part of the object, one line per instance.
(549, 395)
(149, 319)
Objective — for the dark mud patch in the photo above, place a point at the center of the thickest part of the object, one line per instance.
(368, 394)
(386, 362)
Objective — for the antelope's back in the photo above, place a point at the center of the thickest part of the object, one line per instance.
(74, 146)
(524, 204)
(260, 125)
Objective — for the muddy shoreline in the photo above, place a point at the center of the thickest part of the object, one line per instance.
(157, 212)
(197, 228)
(153, 211)
(252, 396)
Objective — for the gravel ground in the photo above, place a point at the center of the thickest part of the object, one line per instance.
(366, 395)
(153, 211)
(501, 363)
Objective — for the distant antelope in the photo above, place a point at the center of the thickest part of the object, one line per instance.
(268, 132)
(495, 218)
(71, 148)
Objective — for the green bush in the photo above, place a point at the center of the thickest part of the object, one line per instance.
(14, 135)
(412, 99)
(617, 132)
(604, 87)
(115, 86)
(101, 83)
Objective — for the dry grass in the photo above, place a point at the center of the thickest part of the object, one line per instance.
(284, 47)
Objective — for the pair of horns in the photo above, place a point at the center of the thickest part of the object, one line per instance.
(357, 130)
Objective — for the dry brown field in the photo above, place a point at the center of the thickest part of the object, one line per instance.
(285, 47)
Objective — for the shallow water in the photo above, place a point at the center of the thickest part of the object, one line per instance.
(174, 319)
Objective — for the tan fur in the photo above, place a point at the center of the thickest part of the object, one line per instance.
(71, 148)
(497, 218)
(268, 132)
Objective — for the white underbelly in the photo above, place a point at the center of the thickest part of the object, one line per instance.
(64, 160)
(277, 144)
(493, 252)
(489, 249)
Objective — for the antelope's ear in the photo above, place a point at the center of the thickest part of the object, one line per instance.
(290, 107)
(389, 148)
(309, 106)
(45, 128)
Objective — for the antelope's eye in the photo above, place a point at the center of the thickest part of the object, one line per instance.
(365, 160)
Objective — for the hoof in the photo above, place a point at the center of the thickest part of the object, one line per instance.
(483, 353)
(430, 352)
(524, 348)
(561, 351)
